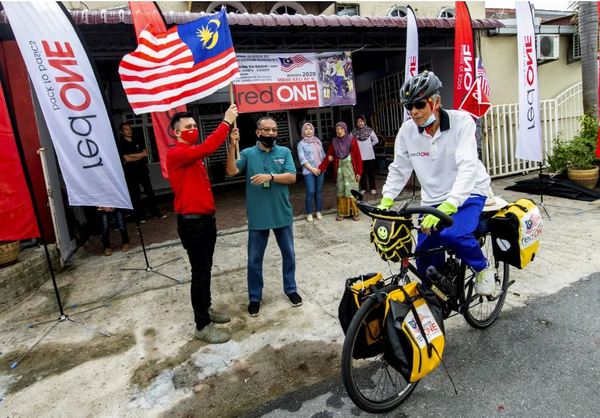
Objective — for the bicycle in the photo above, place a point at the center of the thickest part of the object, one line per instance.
(372, 383)
(330, 89)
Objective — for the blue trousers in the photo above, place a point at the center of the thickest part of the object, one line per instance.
(117, 216)
(314, 188)
(257, 243)
(459, 237)
(339, 82)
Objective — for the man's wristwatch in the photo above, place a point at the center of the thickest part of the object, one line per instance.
(272, 177)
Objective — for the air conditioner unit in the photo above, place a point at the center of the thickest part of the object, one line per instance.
(547, 47)
(576, 46)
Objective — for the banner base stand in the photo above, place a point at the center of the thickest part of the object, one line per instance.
(148, 268)
(541, 166)
(63, 318)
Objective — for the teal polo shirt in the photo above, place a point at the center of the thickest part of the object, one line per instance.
(267, 208)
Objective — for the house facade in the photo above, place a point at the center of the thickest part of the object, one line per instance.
(374, 32)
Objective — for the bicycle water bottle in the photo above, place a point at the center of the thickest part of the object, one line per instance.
(436, 280)
(434, 275)
(443, 282)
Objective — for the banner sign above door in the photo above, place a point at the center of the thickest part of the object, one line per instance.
(294, 81)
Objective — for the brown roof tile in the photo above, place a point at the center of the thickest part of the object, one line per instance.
(98, 17)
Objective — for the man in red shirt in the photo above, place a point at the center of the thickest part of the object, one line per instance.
(195, 207)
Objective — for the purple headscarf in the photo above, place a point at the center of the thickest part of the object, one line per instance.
(342, 145)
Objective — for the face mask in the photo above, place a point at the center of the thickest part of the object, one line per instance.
(428, 122)
(267, 141)
(190, 135)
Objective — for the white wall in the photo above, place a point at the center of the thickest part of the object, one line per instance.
(421, 8)
(499, 56)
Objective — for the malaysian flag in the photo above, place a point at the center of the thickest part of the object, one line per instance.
(288, 64)
(184, 64)
(482, 76)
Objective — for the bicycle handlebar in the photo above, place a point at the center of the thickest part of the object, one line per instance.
(402, 212)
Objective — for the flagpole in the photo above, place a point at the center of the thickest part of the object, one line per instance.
(232, 101)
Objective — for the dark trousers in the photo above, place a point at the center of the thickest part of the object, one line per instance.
(198, 237)
(367, 180)
(134, 181)
(117, 217)
(257, 244)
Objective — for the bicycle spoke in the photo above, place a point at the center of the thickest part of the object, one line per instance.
(482, 311)
(372, 384)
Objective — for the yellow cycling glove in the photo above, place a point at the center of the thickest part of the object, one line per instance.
(386, 203)
(430, 221)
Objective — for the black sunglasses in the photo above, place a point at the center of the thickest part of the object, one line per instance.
(419, 105)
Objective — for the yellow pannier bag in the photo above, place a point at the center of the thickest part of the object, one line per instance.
(369, 342)
(414, 330)
(516, 232)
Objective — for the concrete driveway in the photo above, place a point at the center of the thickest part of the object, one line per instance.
(151, 365)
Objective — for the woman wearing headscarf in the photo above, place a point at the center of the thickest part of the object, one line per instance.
(347, 165)
(311, 154)
(367, 139)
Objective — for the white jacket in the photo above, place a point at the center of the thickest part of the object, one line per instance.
(446, 165)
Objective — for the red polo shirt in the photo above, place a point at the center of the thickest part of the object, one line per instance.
(188, 177)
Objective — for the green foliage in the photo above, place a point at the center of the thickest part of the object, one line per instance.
(579, 152)
(559, 159)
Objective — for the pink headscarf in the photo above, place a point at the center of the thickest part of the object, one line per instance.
(312, 139)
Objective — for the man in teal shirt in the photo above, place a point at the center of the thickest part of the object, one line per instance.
(269, 169)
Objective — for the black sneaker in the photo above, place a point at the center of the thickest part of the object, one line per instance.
(254, 308)
(295, 299)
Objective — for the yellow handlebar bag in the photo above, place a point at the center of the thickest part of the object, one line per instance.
(516, 232)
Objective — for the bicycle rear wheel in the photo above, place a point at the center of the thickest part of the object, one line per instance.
(329, 93)
(372, 383)
(482, 311)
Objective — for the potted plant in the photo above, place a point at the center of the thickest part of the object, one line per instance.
(577, 156)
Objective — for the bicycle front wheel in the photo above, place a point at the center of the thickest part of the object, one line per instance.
(372, 383)
(482, 311)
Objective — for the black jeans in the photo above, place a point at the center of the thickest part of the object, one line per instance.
(134, 181)
(367, 180)
(198, 237)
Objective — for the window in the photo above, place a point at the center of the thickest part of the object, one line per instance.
(347, 9)
(447, 13)
(397, 11)
(288, 7)
(230, 6)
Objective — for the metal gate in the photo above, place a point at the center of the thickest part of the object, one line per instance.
(559, 117)
(322, 120)
(386, 102)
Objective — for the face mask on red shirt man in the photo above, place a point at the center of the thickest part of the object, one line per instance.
(190, 135)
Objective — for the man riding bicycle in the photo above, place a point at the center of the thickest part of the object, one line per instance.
(439, 145)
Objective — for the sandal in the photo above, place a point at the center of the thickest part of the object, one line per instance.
(339, 218)
(356, 218)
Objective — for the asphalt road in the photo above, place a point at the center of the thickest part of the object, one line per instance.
(542, 360)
